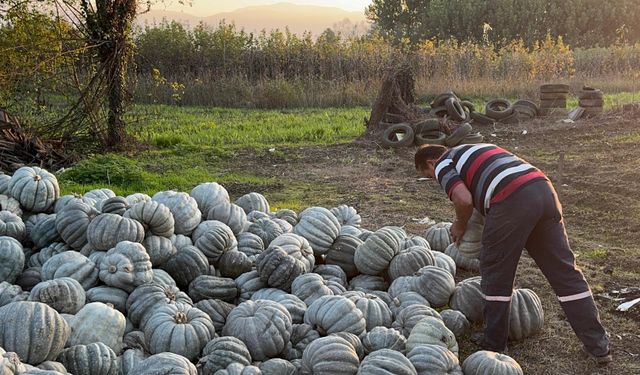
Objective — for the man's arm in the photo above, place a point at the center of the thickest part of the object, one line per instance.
(463, 202)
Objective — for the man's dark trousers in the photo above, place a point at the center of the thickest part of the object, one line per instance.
(531, 218)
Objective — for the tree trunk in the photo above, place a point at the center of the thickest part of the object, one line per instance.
(116, 91)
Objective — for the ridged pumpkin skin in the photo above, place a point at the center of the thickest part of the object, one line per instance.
(332, 314)
(160, 249)
(238, 369)
(331, 272)
(527, 315)
(231, 214)
(53, 366)
(409, 317)
(184, 209)
(72, 222)
(277, 269)
(350, 230)
(178, 328)
(310, 286)
(234, 263)
(277, 366)
(456, 322)
(374, 256)
(107, 230)
(115, 205)
(187, 264)
(414, 241)
(320, 227)
(217, 310)
(347, 215)
(209, 195)
(297, 247)
(402, 284)
(386, 361)
(213, 287)
(264, 326)
(287, 215)
(266, 229)
(404, 300)
(434, 359)
(353, 340)
(248, 283)
(155, 217)
(490, 363)
(4, 182)
(129, 359)
(410, 260)
(22, 327)
(384, 338)
(445, 262)
(375, 311)
(97, 322)
(165, 364)
(214, 238)
(331, 355)
(250, 244)
(71, 264)
(126, 266)
(99, 196)
(432, 331)
(106, 294)
(35, 189)
(221, 352)
(65, 295)
(9, 204)
(44, 232)
(38, 259)
(293, 304)
(92, 359)
(368, 283)
(301, 336)
(11, 259)
(9, 293)
(461, 260)
(11, 225)
(253, 202)
(435, 284)
(64, 200)
(469, 299)
(438, 236)
(143, 300)
(137, 198)
(342, 252)
(29, 278)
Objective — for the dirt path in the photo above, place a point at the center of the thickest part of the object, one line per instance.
(599, 190)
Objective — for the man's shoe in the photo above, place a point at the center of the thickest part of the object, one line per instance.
(601, 360)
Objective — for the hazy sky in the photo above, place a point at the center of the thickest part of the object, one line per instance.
(209, 7)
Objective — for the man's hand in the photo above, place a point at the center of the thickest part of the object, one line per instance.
(457, 231)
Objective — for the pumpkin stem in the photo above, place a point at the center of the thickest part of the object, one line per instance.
(37, 178)
(112, 269)
(181, 318)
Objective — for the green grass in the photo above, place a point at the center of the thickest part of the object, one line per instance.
(597, 253)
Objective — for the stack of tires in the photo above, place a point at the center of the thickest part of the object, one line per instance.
(501, 110)
(429, 132)
(592, 101)
(448, 104)
(553, 99)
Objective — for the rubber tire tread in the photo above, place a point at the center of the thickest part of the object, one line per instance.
(442, 98)
(468, 105)
(527, 103)
(441, 109)
(499, 114)
(427, 125)
(407, 140)
(458, 135)
(427, 138)
(455, 110)
(481, 118)
(473, 138)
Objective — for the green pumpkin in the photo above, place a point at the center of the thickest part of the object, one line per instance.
(342, 252)
(38, 259)
(65, 295)
(490, 363)
(35, 189)
(72, 222)
(9, 204)
(213, 287)
(277, 269)
(386, 361)
(435, 284)
(144, 299)
(214, 238)
(266, 229)
(187, 264)
(410, 260)
(277, 366)
(107, 230)
(310, 286)
(115, 205)
(301, 336)
(404, 300)
(375, 311)
(209, 195)
(527, 316)
(29, 278)
(456, 322)
(374, 256)
(445, 262)
(97, 322)
(368, 283)
(137, 198)
(11, 259)
(331, 355)
(71, 264)
(230, 214)
(293, 304)
(109, 295)
(434, 359)
(126, 266)
(234, 263)
(11, 225)
(159, 363)
(44, 232)
(384, 338)
(248, 283)
(253, 202)
(155, 217)
(184, 209)
(320, 227)
(217, 310)
(332, 314)
(221, 352)
(469, 299)
(160, 249)
(410, 316)
(462, 261)
(99, 196)
(438, 236)
(432, 331)
(92, 359)
(347, 215)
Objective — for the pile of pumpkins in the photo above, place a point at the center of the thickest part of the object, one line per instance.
(194, 283)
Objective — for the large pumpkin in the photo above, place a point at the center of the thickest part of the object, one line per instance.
(155, 217)
(331, 272)
(21, 331)
(137, 198)
(9, 204)
(368, 283)
(297, 247)
(486, 362)
(253, 202)
(383, 338)
(221, 352)
(72, 222)
(444, 261)
(126, 266)
(99, 196)
(11, 225)
(213, 287)
(180, 329)
(410, 316)
(106, 230)
(187, 264)
(342, 252)
(214, 238)
(38, 259)
(44, 232)
(264, 326)
(438, 236)
(527, 315)
(65, 294)
(209, 195)
(310, 286)
(410, 260)
(184, 209)
(165, 364)
(230, 214)
(92, 359)
(29, 278)
(471, 241)
(331, 355)
(248, 283)
(434, 359)
(109, 295)
(97, 322)
(404, 300)
(432, 331)
(462, 261)
(332, 314)
(435, 284)
(160, 249)
(347, 215)
(234, 263)
(145, 298)
(115, 205)
(71, 264)
(9, 293)
(374, 256)
(386, 361)
(456, 322)
(277, 269)
(293, 304)
(64, 200)
(320, 227)
(469, 299)
(217, 310)
(277, 366)
(301, 336)
(266, 229)
(35, 189)
(11, 259)
(375, 311)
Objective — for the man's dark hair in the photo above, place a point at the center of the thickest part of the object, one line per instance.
(428, 152)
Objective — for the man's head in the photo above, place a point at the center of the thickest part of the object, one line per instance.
(426, 158)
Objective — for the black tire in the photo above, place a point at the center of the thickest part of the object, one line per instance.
(430, 138)
(427, 125)
(524, 110)
(591, 102)
(458, 135)
(440, 111)
(528, 103)
(498, 109)
(440, 99)
(390, 136)
(473, 138)
(455, 110)
(514, 118)
(468, 105)
(479, 118)
(555, 87)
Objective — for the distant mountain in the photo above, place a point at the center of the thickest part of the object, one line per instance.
(298, 18)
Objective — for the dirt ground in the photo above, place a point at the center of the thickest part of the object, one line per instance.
(598, 183)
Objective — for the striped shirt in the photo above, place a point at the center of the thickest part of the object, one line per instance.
(489, 172)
